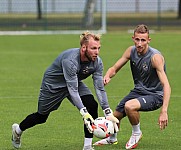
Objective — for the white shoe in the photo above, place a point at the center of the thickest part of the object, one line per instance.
(133, 141)
(105, 141)
(88, 148)
(16, 138)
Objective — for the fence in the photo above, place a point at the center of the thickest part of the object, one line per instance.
(70, 15)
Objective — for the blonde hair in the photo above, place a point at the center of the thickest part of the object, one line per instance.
(85, 37)
(141, 29)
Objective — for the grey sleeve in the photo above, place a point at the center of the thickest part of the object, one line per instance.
(99, 86)
(70, 75)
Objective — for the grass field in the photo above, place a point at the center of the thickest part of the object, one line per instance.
(23, 61)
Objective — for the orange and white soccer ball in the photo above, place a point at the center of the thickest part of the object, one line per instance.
(102, 127)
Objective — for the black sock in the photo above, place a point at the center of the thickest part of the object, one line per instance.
(32, 120)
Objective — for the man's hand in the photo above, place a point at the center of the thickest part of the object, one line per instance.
(109, 115)
(88, 120)
(106, 80)
(163, 120)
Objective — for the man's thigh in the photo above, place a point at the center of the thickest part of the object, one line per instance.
(49, 101)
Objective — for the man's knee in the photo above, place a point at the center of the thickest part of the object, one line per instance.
(132, 105)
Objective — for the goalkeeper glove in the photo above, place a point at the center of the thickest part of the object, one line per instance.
(88, 120)
(109, 116)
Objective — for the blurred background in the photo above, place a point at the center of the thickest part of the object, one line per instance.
(70, 16)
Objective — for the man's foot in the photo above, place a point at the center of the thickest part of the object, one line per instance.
(88, 148)
(16, 138)
(133, 141)
(105, 141)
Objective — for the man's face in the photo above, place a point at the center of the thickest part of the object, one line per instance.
(141, 41)
(92, 50)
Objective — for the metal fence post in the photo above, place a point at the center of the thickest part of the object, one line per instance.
(159, 15)
(45, 14)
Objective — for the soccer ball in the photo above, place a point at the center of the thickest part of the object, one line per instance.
(102, 128)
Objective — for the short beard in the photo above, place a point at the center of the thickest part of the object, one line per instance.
(87, 55)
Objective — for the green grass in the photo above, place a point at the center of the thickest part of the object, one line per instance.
(23, 61)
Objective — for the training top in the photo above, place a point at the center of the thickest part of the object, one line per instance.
(67, 71)
(144, 75)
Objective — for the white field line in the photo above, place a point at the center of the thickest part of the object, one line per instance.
(34, 96)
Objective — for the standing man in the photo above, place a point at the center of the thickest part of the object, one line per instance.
(63, 79)
(151, 91)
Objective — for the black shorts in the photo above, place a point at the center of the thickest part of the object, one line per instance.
(148, 102)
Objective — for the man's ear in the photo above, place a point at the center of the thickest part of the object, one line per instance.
(83, 47)
(149, 40)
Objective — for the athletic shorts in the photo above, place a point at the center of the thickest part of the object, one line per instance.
(51, 100)
(148, 102)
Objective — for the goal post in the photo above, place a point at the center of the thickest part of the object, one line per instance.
(21, 17)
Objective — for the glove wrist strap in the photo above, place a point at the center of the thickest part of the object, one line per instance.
(107, 112)
(83, 111)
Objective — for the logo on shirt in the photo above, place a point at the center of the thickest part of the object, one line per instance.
(133, 62)
(145, 66)
(85, 70)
